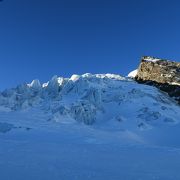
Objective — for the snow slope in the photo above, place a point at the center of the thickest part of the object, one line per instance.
(133, 73)
(101, 126)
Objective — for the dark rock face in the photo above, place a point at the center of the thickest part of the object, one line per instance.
(163, 74)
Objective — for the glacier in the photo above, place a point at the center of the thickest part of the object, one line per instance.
(90, 126)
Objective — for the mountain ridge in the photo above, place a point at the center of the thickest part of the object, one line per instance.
(93, 99)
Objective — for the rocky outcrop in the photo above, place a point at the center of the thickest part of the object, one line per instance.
(161, 73)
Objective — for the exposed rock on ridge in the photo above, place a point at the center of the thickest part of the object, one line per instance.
(161, 73)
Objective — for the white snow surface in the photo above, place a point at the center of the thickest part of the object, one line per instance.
(151, 59)
(133, 73)
(98, 127)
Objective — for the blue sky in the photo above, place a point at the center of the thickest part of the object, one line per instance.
(39, 39)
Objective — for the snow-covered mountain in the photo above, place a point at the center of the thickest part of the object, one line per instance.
(96, 127)
(94, 99)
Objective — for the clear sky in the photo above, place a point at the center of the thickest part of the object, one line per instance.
(41, 38)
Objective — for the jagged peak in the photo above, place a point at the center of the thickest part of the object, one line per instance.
(35, 84)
